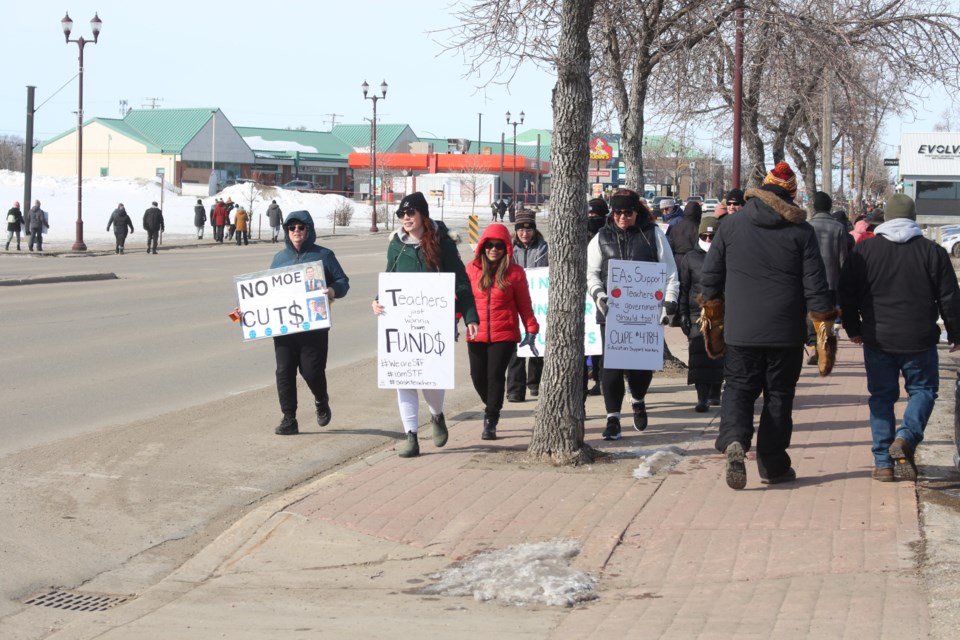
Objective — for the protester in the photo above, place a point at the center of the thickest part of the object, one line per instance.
(153, 225)
(242, 224)
(275, 218)
(683, 234)
(703, 372)
(38, 223)
(762, 273)
(305, 350)
(530, 252)
(629, 234)
(502, 296)
(199, 218)
(670, 211)
(735, 200)
(861, 231)
(597, 214)
(231, 226)
(14, 221)
(893, 288)
(832, 240)
(219, 219)
(121, 223)
(423, 245)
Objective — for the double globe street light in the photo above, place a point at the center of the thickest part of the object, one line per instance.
(67, 25)
(373, 148)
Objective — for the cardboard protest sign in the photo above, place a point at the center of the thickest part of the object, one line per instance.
(538, 280)
(281, 301)
(416, 331)
(634, 336)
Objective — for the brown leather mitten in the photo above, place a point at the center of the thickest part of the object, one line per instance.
(826, 341)
(711, 325)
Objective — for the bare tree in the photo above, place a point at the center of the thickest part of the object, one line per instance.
(11, 153)
(473, 181)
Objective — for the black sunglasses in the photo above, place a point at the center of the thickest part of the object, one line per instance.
(706, 236)
(499, 246)
(623, 212)
(410, 211)
(296, 227)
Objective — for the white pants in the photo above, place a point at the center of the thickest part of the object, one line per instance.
(410, 406)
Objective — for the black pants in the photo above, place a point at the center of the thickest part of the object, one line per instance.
(306, 351)
(523, 373)
(488, 368)
(611, 383)
(152, 238)
(218, 233)
(748, 372)
(121, 239)
(36, 237)
(243, 236)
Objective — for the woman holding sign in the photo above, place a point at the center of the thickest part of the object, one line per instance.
(424, 245)
(629, 234)
(530, 252)
(502, 296)
(306, 350)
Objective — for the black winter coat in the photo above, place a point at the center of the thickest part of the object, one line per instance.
(120, 222)
(153, 219)
(199, 215)
(15, 225)
(701, 368)
(891, 294)
(765, 264)
(683, 235)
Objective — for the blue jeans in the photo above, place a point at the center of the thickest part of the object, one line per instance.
(921, 376)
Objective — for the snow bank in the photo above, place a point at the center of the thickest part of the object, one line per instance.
(657, 462)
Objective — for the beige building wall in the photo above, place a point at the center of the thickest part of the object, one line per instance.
(102, 148)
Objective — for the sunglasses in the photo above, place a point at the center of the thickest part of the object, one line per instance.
(296, 227)
(623, 213)
(706, 236)
(406, 212)
(499, 246)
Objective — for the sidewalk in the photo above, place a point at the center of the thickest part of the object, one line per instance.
(678, 555)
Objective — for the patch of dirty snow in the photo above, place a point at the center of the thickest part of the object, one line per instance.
(657, 462)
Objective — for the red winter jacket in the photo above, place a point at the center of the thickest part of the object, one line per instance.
(220, 215)
(498, 309)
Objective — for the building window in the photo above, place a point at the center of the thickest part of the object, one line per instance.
(936, 190)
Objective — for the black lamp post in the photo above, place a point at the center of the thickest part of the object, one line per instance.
(513, 201)
(373, 148)
(67, 25)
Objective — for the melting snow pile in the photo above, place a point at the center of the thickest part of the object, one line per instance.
(523, 574)
(657, 462)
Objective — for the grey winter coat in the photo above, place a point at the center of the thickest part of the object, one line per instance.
(832, 238)
(275, 215)
(37, 218)
(534, 255)
(199, 215)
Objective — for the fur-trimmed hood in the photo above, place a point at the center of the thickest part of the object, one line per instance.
(766, 209)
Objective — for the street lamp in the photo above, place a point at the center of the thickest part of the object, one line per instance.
(513, 202)
(67, 25)
(373, 148)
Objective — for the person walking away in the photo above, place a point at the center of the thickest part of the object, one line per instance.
(762, 274)
(14, 221)
(275, 218)
(493, 210)
(893, 288)
(630, 234)
(530, 252)
(861, 231)
(502, 208)
(502, 296)
(38, 223)
(121, 223)
(219, 219)
(597, 214)
(153, 225)
(230, 222)
(199, 218)
(832, 238)
(242, 223)
(703, 372)
(684, 234)
(424, 245)
(305, 350)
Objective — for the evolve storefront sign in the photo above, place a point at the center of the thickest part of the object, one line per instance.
(930, 154)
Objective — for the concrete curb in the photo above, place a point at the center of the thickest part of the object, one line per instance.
(80, 277)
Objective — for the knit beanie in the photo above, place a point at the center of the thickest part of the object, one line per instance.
(599, 207)
(822, 202)
(708, 224)
(900, 206)
(414, 202)
(735, 196)
(782, 176)
(525, 220)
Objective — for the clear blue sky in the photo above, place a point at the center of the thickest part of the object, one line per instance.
(272, 67)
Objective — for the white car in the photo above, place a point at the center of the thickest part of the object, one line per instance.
(952, 244)
(710, 205)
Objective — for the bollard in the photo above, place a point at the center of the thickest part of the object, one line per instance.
(473, 227)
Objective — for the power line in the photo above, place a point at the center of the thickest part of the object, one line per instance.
(152, 103)
(333, 119)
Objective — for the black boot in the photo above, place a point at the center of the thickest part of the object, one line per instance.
(288, 426)
(490, 427)
(324, 414)
(715, 394)
(703, 395)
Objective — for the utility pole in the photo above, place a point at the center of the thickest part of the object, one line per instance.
(826, 136)
(332, 119)
(152, 103)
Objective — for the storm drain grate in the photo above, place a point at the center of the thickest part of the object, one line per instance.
(76, 600)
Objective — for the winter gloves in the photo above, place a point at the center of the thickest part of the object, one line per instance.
(530, 340)
(667, 312)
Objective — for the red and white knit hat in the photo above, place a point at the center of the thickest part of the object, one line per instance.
(782, 176)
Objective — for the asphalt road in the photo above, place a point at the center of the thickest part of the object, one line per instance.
(136, 425)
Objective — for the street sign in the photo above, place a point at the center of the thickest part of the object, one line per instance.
(599, 173)
(891, 162)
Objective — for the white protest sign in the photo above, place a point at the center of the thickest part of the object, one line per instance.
(281, 301)
(634, 336)
(416, 331)
(538, 280)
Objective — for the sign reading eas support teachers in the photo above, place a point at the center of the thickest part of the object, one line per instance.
(282, 301)
(634, 336)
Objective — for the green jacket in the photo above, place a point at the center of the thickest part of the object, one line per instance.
(406, 258)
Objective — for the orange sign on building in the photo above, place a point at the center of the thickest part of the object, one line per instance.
(600, 149)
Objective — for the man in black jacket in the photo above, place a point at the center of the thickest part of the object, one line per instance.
(892, 289)
(153, 225)
(764, 266)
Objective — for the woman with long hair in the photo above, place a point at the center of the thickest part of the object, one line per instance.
(424, 245)
(502, 296)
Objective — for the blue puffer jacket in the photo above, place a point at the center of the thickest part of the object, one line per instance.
(310, 251)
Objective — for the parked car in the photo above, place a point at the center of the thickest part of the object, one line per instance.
(695, 199)
(304, 186)
(710, 205)
(952, 244)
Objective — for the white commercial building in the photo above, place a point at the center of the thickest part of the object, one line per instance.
(930, 174)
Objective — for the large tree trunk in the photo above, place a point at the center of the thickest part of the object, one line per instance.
(558, 429)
